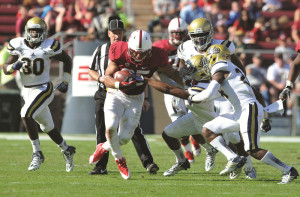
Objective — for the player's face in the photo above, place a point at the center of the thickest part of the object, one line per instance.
(35, 33)
(115, 36)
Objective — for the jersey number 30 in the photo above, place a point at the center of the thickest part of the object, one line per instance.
(35, 66)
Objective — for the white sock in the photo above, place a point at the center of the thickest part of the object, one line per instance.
(248, 164)
(271, 160)
(114, 144)
(106, 146)
(221, 146)
(63, 145)
(179, 155)
(187, 147)
(36, 145)
(207, 147)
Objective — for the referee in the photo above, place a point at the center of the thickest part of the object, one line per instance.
(96, 70)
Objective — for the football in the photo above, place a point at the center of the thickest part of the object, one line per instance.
(122, 75)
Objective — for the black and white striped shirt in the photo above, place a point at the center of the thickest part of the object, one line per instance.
(100, 60)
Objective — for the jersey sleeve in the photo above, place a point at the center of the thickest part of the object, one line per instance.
(180, 51)
(230, 45)
(219, 66)
(51, 47)
(14, 46)
(164, 60)
(115, 52)
(94, 63)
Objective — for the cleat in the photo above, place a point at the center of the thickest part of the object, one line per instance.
(177, 167)
(98, 171)
(152, 168)
(250, 173)
(189, 155)
(290, 176)
(195, 147)
(210, 159)
(236, 173)
(98, 154)
(124, 171)
(68, 156)
(36, 161)
(233, 164)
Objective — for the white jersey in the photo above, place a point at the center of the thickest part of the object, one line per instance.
(236, 87)
(187, 50)
(36, 67)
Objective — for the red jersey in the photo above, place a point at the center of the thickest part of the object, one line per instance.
(171, 51)
(118, 53)
(297, 48)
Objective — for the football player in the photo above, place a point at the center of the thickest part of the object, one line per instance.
(190, 123)
(248, 114)
(201, 34)
(178, 33)
(124, 99)
(31, 56)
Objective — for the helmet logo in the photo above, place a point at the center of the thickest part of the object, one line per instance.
(216, 50)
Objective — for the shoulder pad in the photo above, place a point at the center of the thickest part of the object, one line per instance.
(14, 45)
(51, 46)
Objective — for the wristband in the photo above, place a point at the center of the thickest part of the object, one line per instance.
(289, 83)
(67, 77)
(99, 78)
(10, 69)
(117, 84)
(146, 98)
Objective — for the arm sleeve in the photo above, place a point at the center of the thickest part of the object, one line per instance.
(209, 93)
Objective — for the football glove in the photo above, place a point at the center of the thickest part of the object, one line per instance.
(17, 65)
(62, 87)
(286, 93)
(266, 125)
(139, 80)
(124, 85)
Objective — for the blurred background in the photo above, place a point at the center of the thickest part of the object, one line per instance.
(265, 33)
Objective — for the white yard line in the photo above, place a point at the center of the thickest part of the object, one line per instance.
(151, 138)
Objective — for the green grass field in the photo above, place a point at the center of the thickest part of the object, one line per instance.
(52, 180)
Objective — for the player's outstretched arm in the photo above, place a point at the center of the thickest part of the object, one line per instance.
(171, 73)
(168, 89)
(8, 67)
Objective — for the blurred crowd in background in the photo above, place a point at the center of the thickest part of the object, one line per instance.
(250, 24)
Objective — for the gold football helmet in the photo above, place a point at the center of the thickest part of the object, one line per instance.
(195, 69)
(216, 53)
(201, 33)
(40, 28)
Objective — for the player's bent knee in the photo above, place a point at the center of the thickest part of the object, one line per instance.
(46, 128)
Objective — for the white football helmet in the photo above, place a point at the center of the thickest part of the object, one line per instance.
(39, 26)
(177, 31)
(139, 46)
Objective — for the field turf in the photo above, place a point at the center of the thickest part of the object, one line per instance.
(52, 179)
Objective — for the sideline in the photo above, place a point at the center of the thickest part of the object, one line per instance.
(150, 137)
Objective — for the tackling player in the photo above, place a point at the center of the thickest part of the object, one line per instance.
(190, 123)
(175, 106)
(248, 114)
(124, 100)
(201, 34)
(31, 56)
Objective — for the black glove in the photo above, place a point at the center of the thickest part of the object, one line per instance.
(266, 125)
(124, 85)
(17, 65)
(286, 93)
(62, 87)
